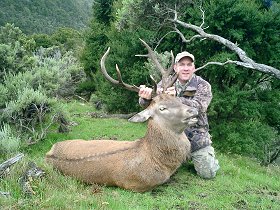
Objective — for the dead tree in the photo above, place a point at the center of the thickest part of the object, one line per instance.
(244, 61)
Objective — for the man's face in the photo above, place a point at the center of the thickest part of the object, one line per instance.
(185, 67)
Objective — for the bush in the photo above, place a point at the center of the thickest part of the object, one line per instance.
(54, 74)
(8, 141)
(245, 121)
(57, 74)
(26, 99)
(244, 137)
(30, 113)
(15, 51)
(31, 80)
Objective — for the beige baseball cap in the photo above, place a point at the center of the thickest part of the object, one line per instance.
(181, 55)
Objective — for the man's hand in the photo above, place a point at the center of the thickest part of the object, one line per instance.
(170, 91)
(145, 92)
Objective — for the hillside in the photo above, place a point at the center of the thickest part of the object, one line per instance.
(39, 16)
(241, 183)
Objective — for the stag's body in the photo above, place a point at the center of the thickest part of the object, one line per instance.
(138, 165)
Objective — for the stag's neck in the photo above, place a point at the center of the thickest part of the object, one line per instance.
(166, 145)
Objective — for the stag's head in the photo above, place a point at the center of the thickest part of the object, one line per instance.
(168, 111)
(164, 108)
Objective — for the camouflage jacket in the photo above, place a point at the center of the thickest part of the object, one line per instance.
(196, 93)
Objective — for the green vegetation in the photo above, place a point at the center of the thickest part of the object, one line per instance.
(240, 184)
(244, 114)
(31, 82)
(50, 52)
(45, 16)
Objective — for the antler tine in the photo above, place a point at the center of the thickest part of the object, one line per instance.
(154, 85)
(152, 56)
(110, 79)
(172, 80)
(174, 77)
(119, 74)
(170, 69)
(166, 81)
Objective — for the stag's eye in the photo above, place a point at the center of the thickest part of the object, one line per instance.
(162, 108)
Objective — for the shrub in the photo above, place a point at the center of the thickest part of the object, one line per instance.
(26, 97)
(245, 121)
(15, 51)
(31, 80)
(8, 141)
(57, 74)
(28, 113)
(244, 137)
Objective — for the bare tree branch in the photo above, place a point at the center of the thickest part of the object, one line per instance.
(202, 16)
(183, 37)
(238, 63)
(5, 165)
(214, 63)
(180, 34)
(245, 60)
(163, 38)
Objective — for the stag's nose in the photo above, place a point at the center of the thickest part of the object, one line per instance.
(193, 111)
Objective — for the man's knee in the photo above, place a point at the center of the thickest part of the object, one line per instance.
(205, 163)
(207, 173)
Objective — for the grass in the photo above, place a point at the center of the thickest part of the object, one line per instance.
(241, 182)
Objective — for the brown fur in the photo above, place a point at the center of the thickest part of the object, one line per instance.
(138, 165)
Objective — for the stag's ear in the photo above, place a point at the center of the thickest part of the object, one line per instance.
(141, 116)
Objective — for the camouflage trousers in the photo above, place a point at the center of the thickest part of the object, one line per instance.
(205, 163)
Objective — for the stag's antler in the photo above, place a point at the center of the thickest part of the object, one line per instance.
(110, 79)
(167, 80)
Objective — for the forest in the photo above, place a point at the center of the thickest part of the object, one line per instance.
(244, 112)
(38, 16)
(50, 55)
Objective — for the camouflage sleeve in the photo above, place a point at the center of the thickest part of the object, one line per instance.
(201, 99)
(144, 102)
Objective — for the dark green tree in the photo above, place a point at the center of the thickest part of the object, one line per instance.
(124, 45)
(39, 16)
(67, 39)
(96, 41)
(15, 50)
(244, 99)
